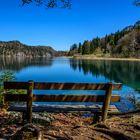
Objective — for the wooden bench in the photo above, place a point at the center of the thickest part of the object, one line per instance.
(30, 97)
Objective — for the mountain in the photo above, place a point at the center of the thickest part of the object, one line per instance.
(16, 48)
(124, 43)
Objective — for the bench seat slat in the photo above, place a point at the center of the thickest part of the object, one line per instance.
(61, 86)
(63, 108)
(60, 98)
(15, 97)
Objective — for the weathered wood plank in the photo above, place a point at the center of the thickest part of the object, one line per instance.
(64, 108)
(29, 101)
(15, 97)
(61, 86)
(73, 98)
(60, 98)
(16, 85)
(106, 102)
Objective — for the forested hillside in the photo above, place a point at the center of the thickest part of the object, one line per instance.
(15, 48)
(124, 43)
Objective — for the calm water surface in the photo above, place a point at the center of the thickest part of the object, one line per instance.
(73, 70)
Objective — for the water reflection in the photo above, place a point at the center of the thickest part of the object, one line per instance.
(73, 70)
(18, 63)
(126, 72)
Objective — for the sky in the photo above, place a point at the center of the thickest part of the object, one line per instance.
(60, 28)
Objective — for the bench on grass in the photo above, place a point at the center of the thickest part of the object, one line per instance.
(28, 108)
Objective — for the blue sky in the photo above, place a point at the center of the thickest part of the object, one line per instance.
(60, 28)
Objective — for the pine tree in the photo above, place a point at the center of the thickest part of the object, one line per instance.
(73, 47)
(80, 48)
(92, 49)
(86, 48)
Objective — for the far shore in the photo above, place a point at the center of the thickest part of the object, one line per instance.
(88, 57)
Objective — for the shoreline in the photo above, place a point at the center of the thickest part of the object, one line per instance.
(106, 58)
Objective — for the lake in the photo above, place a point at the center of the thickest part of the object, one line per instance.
(76, 70)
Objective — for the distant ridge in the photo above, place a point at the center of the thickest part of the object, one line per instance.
(18, 49)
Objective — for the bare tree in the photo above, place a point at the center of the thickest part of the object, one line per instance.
(137, 2)
(49, 3)
(59, 3)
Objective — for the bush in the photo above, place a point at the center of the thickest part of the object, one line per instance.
(132, 98)
(5, 76)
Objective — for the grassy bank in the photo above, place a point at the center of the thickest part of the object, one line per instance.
(93, 57)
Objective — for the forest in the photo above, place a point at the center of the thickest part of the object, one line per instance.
(124, 43)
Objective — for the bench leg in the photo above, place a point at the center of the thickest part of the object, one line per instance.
(23, 117)
(106, 102)
(96, 118)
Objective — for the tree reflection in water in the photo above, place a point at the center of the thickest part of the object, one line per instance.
(18, 63)
(126, 72)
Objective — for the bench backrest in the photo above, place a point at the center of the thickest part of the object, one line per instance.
(29, 97)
